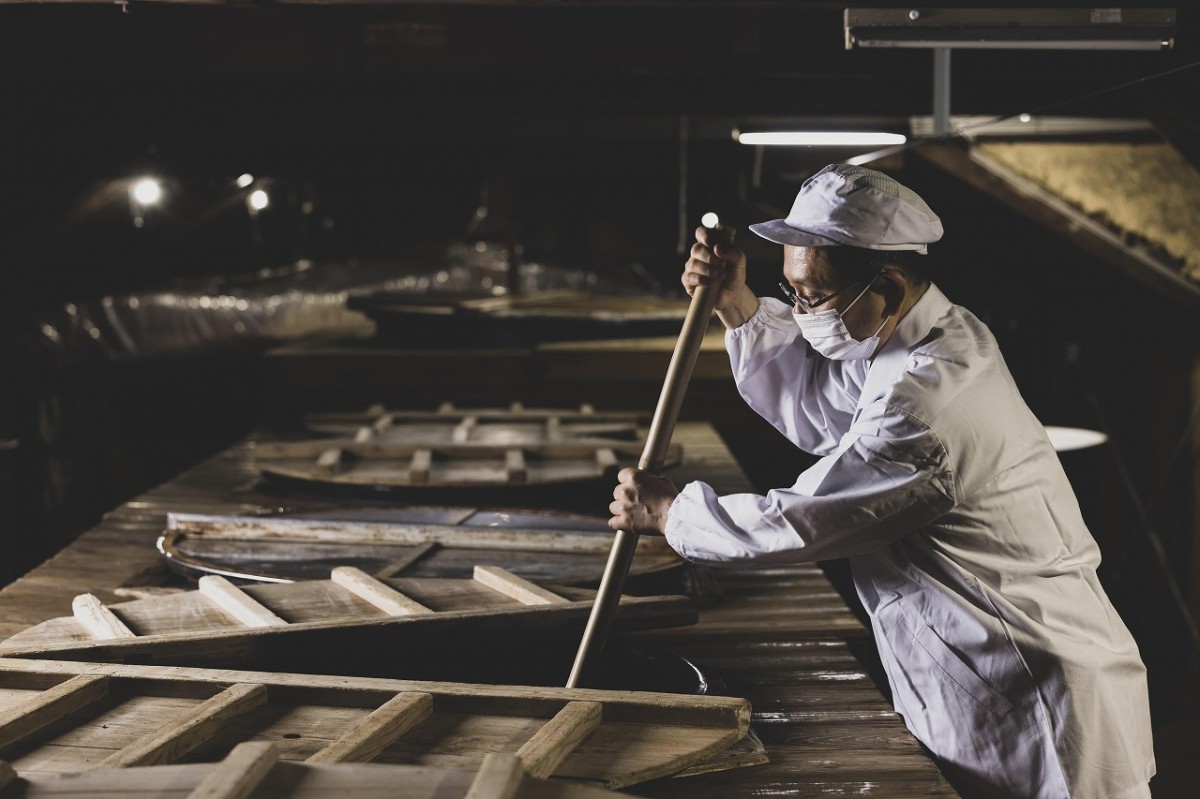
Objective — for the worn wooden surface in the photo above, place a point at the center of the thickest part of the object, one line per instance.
(781, 638)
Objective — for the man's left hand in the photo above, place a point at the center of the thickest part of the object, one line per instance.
(640, 502)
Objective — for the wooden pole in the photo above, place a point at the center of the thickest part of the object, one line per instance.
(654, 455)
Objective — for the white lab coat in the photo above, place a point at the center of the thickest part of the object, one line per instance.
(1004, 654)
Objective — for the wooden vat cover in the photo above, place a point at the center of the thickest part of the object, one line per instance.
(351, 615)
(58, 717)
(455, 448)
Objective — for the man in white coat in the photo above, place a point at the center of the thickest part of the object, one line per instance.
(1004, 655)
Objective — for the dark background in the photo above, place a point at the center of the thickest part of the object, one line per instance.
(381, 129)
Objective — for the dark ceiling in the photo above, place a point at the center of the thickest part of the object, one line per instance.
(572, 108)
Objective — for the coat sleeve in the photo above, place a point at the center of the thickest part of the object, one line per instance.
(806, 397)
(889, 476)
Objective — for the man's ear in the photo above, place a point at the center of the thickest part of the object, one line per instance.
(892, 286)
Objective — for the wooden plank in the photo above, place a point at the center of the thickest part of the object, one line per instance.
(381, 728)
(520, 589)
(330, 461)
(419, 466)
(169, 743)
(550, 745)
(410, 557)
(379, 594)
(499, 777)
(50, 706)
(238, 774)
(97, 620)
(237, 603)
(264, 528)
(514, 466)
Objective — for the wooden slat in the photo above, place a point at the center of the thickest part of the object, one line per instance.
(169, 743)
(99, 622)
(514, 466)
(379, 594)
(462, 431)
(550, 745)
(409, 558)
(238, 603)
(240, 773)
(419, 466)
(499, 777)
(520, 589)
(329, 461)
(50, 706)
(379, 730)
(606, 459)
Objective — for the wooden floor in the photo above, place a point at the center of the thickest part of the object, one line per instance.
(780, 637)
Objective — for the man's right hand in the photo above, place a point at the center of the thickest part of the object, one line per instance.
(722, 265)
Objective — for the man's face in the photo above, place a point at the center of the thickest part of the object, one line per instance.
(811, 275)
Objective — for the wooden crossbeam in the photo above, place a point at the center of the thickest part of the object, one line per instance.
(499, 777)
(518, 588)
(49, 706)
(240, 773)
(237, 603)
(379, 730)
(377, 593)
(606, 458)
(329, 461)
(462, 430)
(549, 746)
(420, 465)
(97, 619)
(514, 466)
(170, 742)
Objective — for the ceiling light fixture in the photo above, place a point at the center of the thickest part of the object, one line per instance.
(1012, 28)
(816, 138)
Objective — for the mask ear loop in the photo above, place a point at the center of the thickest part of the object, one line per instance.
(859, 297)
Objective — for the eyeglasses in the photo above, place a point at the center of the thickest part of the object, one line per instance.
(795, 299)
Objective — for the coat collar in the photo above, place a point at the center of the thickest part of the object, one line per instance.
(913, 328)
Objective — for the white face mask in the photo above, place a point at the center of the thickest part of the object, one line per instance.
(826, 332)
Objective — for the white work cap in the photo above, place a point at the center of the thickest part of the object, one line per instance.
(858, 207)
